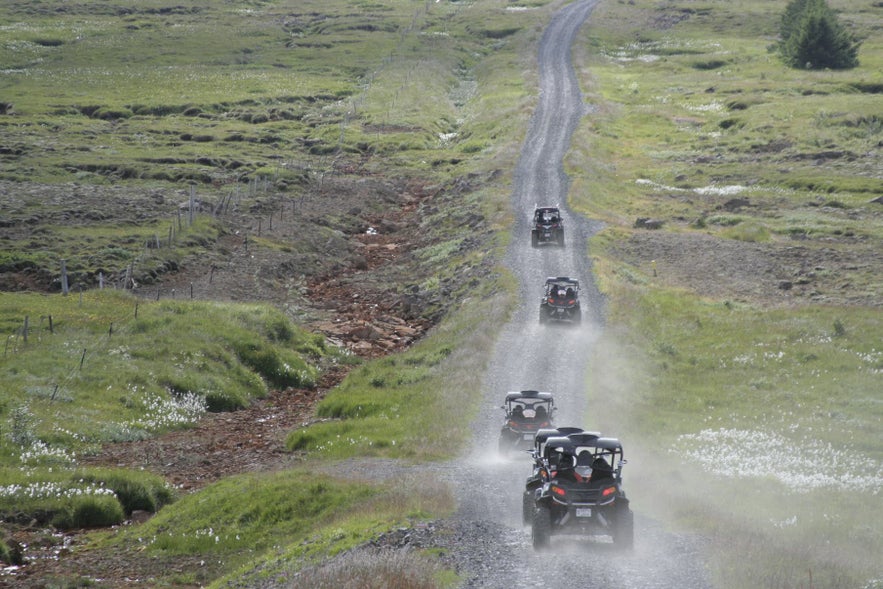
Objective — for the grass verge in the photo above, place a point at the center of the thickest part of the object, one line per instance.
(763, 417)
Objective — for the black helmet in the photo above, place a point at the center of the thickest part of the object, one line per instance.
(564, 461)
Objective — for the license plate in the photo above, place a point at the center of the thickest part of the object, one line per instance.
(583, 512)
(547, 234)
(528, 436)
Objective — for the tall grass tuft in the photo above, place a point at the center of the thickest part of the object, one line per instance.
(89, 512)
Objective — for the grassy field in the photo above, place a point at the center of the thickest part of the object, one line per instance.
(104, 368)
(765, 417)
(125, 105)
(219, 97)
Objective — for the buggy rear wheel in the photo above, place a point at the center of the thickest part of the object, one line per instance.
(624, 529)
(542, 528)
(534, 239)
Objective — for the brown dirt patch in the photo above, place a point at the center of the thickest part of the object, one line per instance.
(359, 232)
(772, 274)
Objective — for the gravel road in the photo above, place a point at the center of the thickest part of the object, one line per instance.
(488, 543)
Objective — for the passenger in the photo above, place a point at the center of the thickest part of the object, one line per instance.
(601, 470)
(540, 413)
(518, 413)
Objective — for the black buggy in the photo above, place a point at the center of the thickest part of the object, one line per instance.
(583, 494)
(560, 302)
(546, 227)
(539, 467)
(526, 412)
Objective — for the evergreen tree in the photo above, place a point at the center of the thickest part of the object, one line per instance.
(813, 38)
(794, 13)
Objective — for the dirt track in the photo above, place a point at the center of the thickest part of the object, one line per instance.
(492, 544)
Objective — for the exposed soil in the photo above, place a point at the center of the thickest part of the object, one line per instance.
(778, 273)
(349, 295)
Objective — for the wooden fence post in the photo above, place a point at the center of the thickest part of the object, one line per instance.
(64, 287)
(192, 203)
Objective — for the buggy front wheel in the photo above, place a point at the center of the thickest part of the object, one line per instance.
(527, 507)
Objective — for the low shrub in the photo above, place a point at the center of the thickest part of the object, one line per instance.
(89, 511)
(278, 366)
(135, 490)
(10, 552)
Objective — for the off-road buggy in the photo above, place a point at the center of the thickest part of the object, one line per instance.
(546, 226)
(526, 412)
(560, 302)
(583, 494)
(539, 468)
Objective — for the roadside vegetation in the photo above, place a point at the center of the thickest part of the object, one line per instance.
(760, 412)
(258, 106)
(104, 368)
